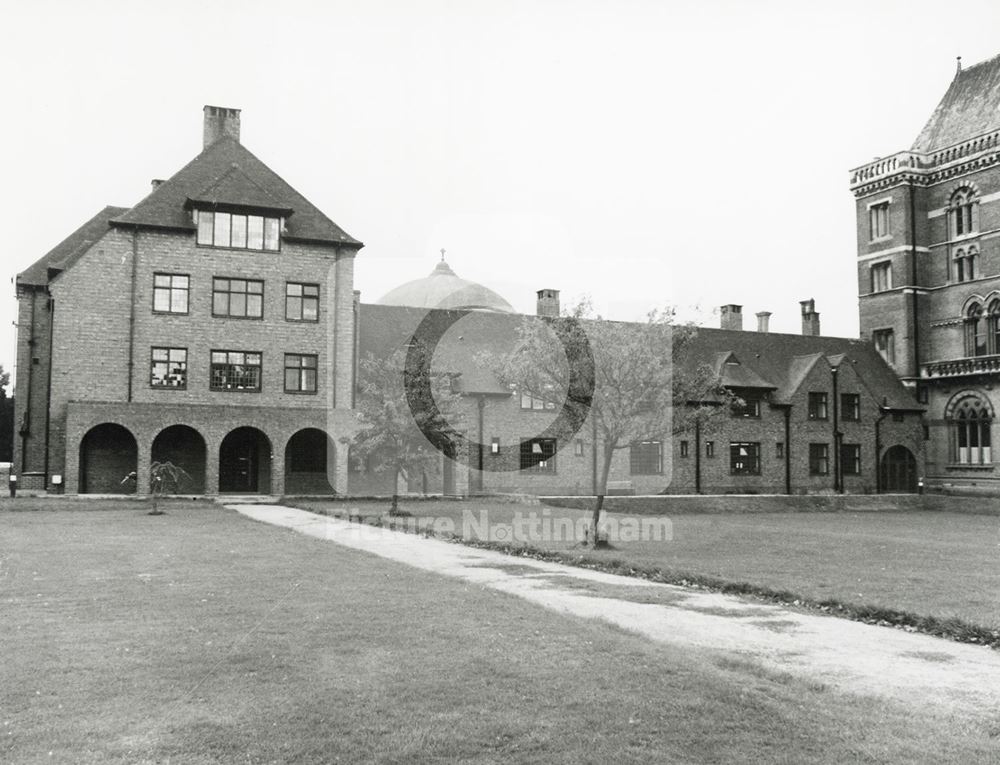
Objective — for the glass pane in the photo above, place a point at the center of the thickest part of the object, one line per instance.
(161, 300)
(238, 285)
(159, 354)
(293, 308)
(237, 304)
(221, 238)
(255, 232)
(293, 289)
(220, 303)
(161, 280)
(291, 379)
(270, 233)
(310, 309)
(179, 300)
(253, 358)
(309, 362)
(255, 287)
(204, 227)
(255, 305)
(985, 440)
(310, 289)
(239, 231)
(309, 379)
(218, 357)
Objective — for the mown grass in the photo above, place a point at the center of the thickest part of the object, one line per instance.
(931, 564)
(202, 637)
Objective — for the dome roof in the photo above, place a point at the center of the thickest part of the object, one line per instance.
(443, 289)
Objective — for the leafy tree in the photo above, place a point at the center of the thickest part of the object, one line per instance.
(646, 384)
(405, 426)
(6, 418)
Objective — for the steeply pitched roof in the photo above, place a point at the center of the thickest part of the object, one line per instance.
(767, 360)
(970, 106)
(212, 177)
(70, 248)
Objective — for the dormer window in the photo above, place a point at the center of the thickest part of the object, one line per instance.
(238, 231)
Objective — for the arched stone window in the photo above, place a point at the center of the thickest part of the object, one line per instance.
(966, 264)
(970, 418)
(994, 326)
(975, 331)
(963, 212)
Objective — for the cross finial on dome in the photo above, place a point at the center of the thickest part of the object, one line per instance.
(442, 254)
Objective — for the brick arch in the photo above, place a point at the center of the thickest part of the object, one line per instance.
(108, 456)
(246, 454)
(969, 301)
(310, 462)
(184, 446)
(971, 186)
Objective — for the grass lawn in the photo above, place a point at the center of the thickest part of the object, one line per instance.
(929, 563)
(202, 637)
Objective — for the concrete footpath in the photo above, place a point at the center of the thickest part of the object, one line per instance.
(850, 656)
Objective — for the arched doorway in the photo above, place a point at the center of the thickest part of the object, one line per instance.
(309, 462)
(184, 447)
(108, 453)
(899, 471)
(245, 462)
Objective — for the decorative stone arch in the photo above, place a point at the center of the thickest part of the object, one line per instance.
(971, 187)
(899, 470)
(952, 406)
(969, 415)
(184, 446)
(109, 453)
(970, 301)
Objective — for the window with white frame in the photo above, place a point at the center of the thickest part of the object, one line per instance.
(878, 220)
(882, 277)
(168, 368)
(970, 424)
(238, 231)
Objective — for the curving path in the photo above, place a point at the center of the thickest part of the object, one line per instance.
(851, 656)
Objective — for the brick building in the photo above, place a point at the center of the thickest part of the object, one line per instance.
(818, 409)
(214, 324)
(928, 221)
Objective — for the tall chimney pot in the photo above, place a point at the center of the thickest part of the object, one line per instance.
(810, 318)
(220, 121)
(731, 317)
(763, 321)
(548, 303)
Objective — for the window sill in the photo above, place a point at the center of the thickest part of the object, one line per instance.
(982, 466)
(880, 239)
(171, 313)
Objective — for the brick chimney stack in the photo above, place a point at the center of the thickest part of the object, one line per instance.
(220, 121)
(810, 318)
(763, 321)
(548, 303)
(731, 317)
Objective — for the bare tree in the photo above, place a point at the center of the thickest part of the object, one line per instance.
(406, 426)
(646, 384)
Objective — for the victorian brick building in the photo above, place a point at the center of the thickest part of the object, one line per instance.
(928, 221)
(214, 325)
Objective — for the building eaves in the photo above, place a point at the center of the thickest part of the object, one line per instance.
(64, 254)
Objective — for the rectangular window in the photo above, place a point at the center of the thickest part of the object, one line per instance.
(779, 450)
(882, 277)
(538, 455)
(238, 298)
(235, 371)
(885, 344)
(749, 408)
(237, 231)
(878, 220)
(710, 448)
(168, 368)
(646, 458)
(684, 448)
(819, 459)
(536, 403)
(744, 458)
(301, 302)
(850, 459)
(578, 447)
(170, 293)
(817, 406)
(850, 407)
(300, 372)
(494, 445)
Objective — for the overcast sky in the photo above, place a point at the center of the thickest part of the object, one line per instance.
(639, 152)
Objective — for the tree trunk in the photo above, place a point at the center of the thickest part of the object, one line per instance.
(602, 490)
(394, 509)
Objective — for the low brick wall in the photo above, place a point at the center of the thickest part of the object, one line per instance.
(783, 503)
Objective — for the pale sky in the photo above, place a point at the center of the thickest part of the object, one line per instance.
(642, 153)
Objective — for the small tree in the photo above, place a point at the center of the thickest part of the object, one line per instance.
(646, 386)
(405, 427)
(164, 478)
